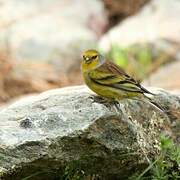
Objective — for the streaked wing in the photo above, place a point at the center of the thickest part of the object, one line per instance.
(112, 75)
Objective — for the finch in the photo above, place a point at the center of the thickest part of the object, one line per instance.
(109, 80)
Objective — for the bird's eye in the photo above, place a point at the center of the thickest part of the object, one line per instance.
(94, 57)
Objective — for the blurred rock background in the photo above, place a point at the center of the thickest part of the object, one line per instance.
(41, 41)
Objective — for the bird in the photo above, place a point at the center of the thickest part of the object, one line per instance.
(110, 81)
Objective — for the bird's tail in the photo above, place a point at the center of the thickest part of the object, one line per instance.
(153, 103)
(157, 105)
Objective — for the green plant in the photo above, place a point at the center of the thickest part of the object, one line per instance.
(71, 172)
(166, 165)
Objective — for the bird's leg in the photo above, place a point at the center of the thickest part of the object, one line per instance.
(117, 106)
(107, 102)
(99, 99)
(102, 100)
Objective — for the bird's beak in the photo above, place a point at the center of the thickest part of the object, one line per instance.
(88, 60)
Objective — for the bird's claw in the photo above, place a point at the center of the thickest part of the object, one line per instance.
(101, 100)
(106, 102)
(98, 99)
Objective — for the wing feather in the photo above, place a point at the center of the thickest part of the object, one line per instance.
(109, 74)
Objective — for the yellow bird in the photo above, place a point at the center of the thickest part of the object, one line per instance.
(109, 80)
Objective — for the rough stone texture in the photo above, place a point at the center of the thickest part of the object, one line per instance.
(158, 19)
(64, 129)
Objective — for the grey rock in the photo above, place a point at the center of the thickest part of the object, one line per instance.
(66, 131)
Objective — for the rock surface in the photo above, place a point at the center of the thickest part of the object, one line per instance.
(66, 132)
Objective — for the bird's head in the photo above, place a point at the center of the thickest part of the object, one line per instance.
(91, 60)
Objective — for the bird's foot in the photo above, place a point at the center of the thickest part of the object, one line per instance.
(106, 102)
(101, 100)
(116, 104)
